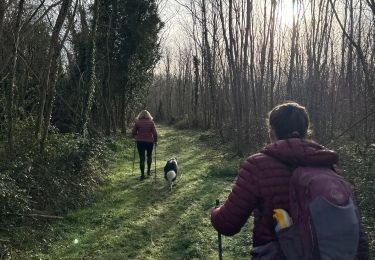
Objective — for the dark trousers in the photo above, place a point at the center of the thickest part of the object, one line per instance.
(142, 148)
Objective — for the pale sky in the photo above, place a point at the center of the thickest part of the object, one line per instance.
(174, 16)
(177, 18)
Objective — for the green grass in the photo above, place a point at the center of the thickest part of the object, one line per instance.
(132, 219)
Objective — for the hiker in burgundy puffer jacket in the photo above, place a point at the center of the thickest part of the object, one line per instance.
(262, 184)
(145, 134)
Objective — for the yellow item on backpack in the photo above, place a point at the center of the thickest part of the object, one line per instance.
(283, 219)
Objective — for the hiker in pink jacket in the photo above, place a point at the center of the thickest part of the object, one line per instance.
(262, 184)
(146, 136)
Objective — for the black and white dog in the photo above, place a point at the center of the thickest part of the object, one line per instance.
(170, 171)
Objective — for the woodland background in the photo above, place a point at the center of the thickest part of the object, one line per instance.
(239, 59)
(74, 73)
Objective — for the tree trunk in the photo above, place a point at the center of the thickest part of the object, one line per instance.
(208, 61)
(91, 76)
(12, 84)
(50, 81)
(196, 88)
(2, 14)
(289, 88)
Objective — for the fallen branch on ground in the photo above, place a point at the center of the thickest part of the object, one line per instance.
(36, 215)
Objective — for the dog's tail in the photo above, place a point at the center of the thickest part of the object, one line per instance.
(171, 176)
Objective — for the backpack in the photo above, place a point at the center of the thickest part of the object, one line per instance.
(325, 221)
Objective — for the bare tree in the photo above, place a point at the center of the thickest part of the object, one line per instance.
(45, 105)
(91, 77)
(267, 52)
(10, 87)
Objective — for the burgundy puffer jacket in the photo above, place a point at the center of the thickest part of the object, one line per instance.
(263, 185)
(144, 130)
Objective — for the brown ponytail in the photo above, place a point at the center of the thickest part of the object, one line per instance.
(289, 120)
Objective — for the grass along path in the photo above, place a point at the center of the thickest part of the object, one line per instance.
(132, 219)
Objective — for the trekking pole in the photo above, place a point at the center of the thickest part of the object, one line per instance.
(219, 236)
(155, 164)
(133, 158)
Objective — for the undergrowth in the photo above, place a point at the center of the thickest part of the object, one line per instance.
(358, 164)
(36, 187)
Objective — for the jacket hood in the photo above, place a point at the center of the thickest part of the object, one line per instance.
(301, 152)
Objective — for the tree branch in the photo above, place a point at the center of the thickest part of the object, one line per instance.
(368, 78)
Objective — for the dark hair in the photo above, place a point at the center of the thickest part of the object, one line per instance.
(289, 120)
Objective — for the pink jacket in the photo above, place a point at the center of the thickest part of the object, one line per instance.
(144, 130)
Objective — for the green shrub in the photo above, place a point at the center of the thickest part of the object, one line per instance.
(13, 199)
(357, 161)
(61, 178)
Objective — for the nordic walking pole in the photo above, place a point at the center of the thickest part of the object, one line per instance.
(155, 164)
(133, 158)
(219, 236)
